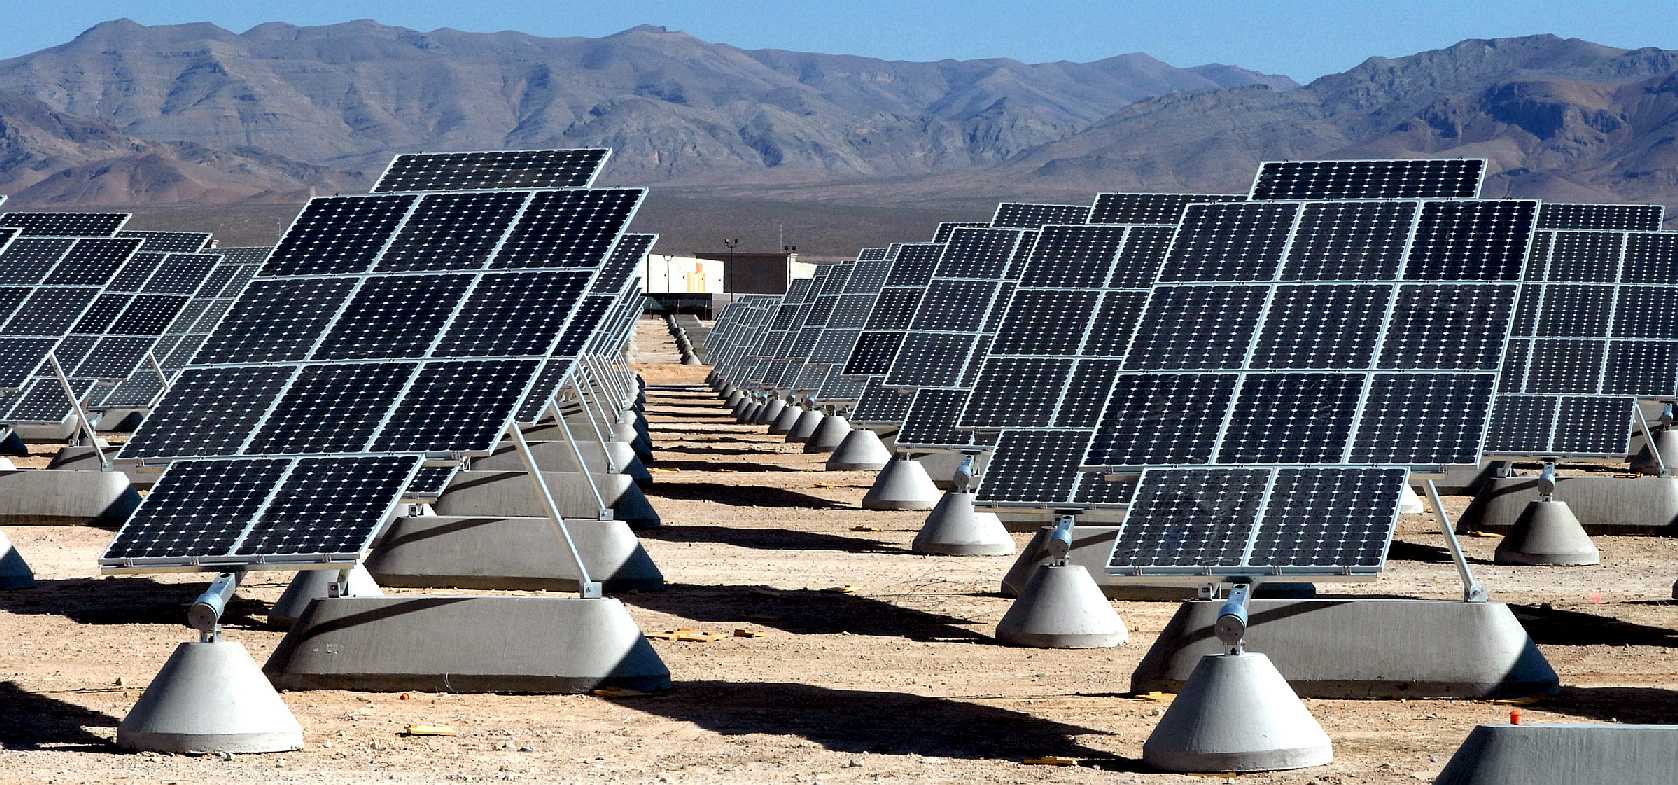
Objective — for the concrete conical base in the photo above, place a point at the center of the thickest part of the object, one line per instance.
(1236, 713)
(954, 528)
(690, 359)
(311, 585)
(1409, 503)
(860, 449)
(805, 427)
(14, 571)
(1547, 533)
(902, 485)
(829, 433)
(1666, 440)
(1062, 608)
(739, 408)
(732, 398)
(623, 430)
(210, 697)
(771, 410)
(748, 413)
(787, 419)
(626, 461)
(6, 465)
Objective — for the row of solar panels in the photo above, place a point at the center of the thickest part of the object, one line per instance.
(387, 338)
(1317, 336)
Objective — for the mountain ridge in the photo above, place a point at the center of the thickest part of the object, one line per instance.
(128, 114)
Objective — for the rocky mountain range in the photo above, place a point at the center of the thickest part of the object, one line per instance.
(127, 115)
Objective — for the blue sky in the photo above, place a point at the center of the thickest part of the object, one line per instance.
(1301, 38)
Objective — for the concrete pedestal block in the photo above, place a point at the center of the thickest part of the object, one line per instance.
(558, 457)
(954, 528)
(861, 449)
(85, 459)
(310, 585)
(1666, 441)
(466, 644)
(1060, 608)
(208, 698)
(829, 433)
(1565, 754)
(1547, 533)
(1236, 714)
(47, 433)
(733, 397)
(1359, 648)
(1604, 505)
(14, 571)
(804, 427)
(772, 409)
(523, 554)
(901, 485)
(782, 423)
(61, 497)
(508, 494)
(13, 445)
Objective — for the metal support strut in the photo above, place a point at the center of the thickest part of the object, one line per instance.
(587, 587)
(1472, 591)
(85, 425)
(1649, 437)
(601, 507)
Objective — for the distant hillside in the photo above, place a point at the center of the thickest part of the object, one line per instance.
(832, 149)
(676, 109)
(1560, 119)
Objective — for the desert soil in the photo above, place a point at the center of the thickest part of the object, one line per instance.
(874, 664)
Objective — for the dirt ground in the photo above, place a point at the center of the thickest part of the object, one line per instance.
(875, 664)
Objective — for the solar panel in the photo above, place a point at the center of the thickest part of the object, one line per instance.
(65, 224)
(1015, 215)
(1633, 217)
(1389, 179)
(942, 235)
(1156, 209)
(510, 169)
(1259, 521)
(214, 513)
(168, 242)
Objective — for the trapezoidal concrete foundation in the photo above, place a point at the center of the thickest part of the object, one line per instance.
(1603, 505)
(466, 644)
(1565, 754)
(509, 494)
(455, 552)
(1358, 648)
(66, 497)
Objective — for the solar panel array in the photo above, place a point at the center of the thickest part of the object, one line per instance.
(181, 339)
(382, 331)
(94, 302)
(955, 323)
(1060, 343)
(1297, 358)
(1592, 335)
